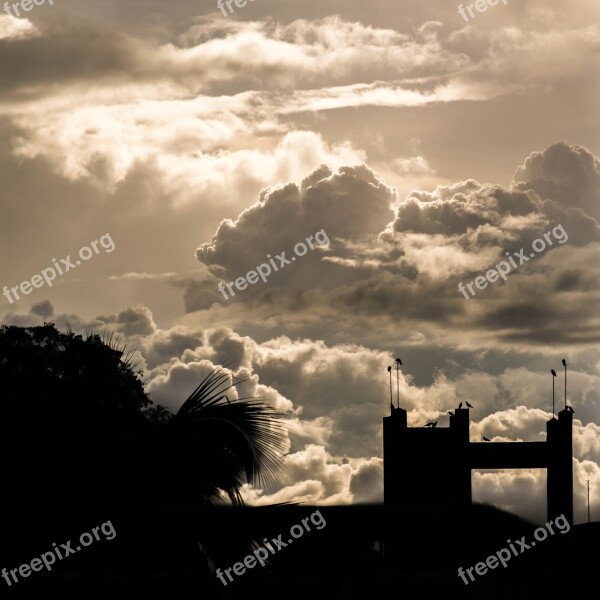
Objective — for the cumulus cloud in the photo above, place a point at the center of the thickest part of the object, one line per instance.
(506, 490)
(350, 204)
(15, 28)
(402, 270)
(366, 484)
(519, 424)
(567, 174)
(314, 476)
(132, 321)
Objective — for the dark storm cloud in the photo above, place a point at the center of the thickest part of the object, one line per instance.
(408, 272)
(351, 204)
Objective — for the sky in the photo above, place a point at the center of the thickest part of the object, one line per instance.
(170, 148)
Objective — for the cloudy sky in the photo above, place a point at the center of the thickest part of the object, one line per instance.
(421, 146)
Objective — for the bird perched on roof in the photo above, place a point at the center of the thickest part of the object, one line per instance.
(570, 409)
(434, 424)
(430, 424)
(450, 413)
(485, 439)
(468, 405)
(460, 405)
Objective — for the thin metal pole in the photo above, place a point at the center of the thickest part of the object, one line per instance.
(565, 387)
(588, 482)
(553, 396)
(397, 384)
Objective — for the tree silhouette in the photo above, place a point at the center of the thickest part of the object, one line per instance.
(221, 444)
(77, 427)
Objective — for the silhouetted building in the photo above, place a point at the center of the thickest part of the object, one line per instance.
(428, 470)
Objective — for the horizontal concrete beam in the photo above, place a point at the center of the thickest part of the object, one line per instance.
(508, 455)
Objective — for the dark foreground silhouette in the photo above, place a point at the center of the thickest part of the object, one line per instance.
(82, 444)
(79, 428)
(156, 554)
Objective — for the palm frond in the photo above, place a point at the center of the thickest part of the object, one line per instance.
(245, 436)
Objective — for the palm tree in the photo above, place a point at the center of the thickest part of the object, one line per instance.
(67, 391)
(217, 445)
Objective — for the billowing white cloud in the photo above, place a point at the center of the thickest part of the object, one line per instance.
(14, 28)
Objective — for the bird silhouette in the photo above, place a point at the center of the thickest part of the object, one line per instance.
(485, 439)
(430, 424)
(398, 361)
(553, 372)
(564, 362)
(433, 424)
(450, 413)
(460, 405)
(468, 405)
(570, 409)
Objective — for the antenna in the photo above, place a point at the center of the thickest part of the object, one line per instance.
(398, 363)
(588, 482)
(390, 372)
(553, 376)
(564, 362)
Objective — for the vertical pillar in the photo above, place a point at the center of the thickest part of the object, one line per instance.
(394, 456)
(461, 468)
(560, 466)
(396, 459)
